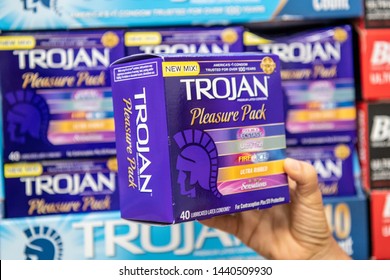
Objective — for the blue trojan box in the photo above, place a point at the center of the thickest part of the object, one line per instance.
(64, 14)
(107, 236)
(348, 220)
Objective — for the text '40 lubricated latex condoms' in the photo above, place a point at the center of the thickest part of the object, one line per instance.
(198, 135)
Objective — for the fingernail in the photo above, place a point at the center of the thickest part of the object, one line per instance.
(292, 164)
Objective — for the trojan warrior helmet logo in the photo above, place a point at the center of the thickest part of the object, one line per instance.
(197, 163)
(44, 243)
(33, 5)
(26, 117)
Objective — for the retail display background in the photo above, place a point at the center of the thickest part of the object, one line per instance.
(42, 220)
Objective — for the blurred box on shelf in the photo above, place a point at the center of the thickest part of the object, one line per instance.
(105, 236)
(65, 14)
(380, 224)
(56, 94)
(374, 63)
(2, 191)
(376, 13)
(185, 40)
(348, 219)
(374, 143)
(218, 145)
(318, 82)
(334, 165)
(60, 187)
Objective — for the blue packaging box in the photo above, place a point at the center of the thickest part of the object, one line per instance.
(65, 14)
(348, 219)
(105, 236)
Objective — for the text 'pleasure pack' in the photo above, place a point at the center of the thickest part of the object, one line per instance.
(61, 187)
(198, 135)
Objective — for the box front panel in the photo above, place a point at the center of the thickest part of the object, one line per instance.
(226, 128)
(60, 187)
(375, 61)
(349, 223)
(333, 165)
(57, 100)
(380, 225)
(379, 144)
(318, 83)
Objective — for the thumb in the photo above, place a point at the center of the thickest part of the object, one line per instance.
(306, 179)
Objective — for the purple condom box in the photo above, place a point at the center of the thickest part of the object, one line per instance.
(318, 82)
(56, 91)
(198, 135)
(184, 40)
(60, 187)
(334, 166)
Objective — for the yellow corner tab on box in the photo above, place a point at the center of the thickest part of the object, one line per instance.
(180, 68)
(17, 43)
(15, 170)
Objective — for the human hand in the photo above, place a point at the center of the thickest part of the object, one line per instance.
(298, 230)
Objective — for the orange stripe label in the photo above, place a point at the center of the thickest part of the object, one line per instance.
(250, 170)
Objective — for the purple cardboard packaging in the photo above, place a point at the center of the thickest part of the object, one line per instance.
(317, 80)
(56, 94)
(198, 135)
(334, 166)
(185, 40)
(60, 187)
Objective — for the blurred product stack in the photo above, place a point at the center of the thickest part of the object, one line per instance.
(319, 87)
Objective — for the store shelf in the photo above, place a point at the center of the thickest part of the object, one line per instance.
(70, 14)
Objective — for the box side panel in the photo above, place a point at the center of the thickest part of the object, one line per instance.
(363, 143)
(142, 141)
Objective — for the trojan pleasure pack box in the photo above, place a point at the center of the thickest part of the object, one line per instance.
(60, 187)
(317, 79)
(198, 135)
(185, 40)
(334, 166)
(56, 94)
